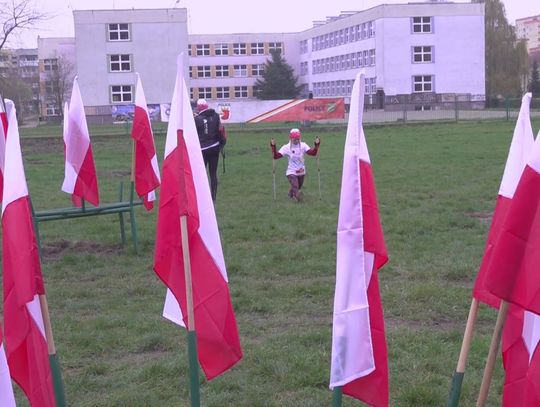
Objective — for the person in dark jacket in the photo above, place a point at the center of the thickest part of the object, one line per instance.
(209, 130)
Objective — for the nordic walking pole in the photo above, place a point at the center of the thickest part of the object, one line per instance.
(319, 175)
(492, 356)
(194, 390)
(274, 176)
(53, 358)
(457, 380)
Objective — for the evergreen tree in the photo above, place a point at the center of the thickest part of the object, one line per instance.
(506, 58)
(278, 80)
(534, 83)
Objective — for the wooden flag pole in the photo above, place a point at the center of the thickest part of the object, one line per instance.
(492, 356)
(53, 358)
(457, 381)
(337, 396)
(192, 335)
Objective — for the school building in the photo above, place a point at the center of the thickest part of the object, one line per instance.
(419, 52)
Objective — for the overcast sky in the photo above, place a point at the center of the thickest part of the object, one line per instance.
(229, 16)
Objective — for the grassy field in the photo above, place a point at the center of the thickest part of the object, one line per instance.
(436, 187)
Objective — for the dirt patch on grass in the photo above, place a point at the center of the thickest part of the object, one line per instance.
(484, 217)
(39, 146)
(115, 173)
(55, 250)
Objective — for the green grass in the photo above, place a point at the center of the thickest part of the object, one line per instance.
(436, 186)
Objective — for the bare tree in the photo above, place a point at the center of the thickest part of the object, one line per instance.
(59, 82)
(17, 15)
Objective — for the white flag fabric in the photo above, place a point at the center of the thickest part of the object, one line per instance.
(359, 356)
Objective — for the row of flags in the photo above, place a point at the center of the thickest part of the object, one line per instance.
(80, 180)
(359, 353)
(509, 268)
(359, 360)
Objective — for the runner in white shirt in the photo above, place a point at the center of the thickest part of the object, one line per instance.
(295, 151)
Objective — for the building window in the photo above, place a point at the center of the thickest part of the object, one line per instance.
(118, 32)
(422, 54)
(303, 46)
(222, 70)
(121, 93)
(191, 94)
(303, 68)
(205, 93)
(371, 29)
(257, 48)
(422, 83)
(240, 71)
(372, 57)
(364, 30)
(240, 91)
(49, 88)
(366, 58)
(421, 25)
(221, 49)
(52, 109)
(50, 64)
(275, 45)
(203, 71)
(203, 49)
(120, 63)
(222, 92)
(257, 69)
(239, 48)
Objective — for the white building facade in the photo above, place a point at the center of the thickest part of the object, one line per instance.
(417, 53)
(528, 28)
(226, 66)
(112, 46)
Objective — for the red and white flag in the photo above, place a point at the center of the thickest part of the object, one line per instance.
(80, 172)
(185, 192)
(521, 358)
(520, 148)
(3, 134)
(7, 399)
(513, 274)
(359, 355)
(146, 164)
(24, 330)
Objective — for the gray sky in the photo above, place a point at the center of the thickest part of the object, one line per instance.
(229, 16)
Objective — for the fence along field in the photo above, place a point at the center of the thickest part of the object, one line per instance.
(436, 184)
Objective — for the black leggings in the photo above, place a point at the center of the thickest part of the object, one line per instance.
(211, 158)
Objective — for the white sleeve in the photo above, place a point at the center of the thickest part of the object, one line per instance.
(284, 150)
(305, 147)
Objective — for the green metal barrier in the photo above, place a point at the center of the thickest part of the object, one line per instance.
(119, 208)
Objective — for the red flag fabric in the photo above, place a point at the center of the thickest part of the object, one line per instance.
(520, 147)
(521, 358)
(80, 172)
(359, 353)
(7, 398)
(513, 268)
(146, 164)
(185, 192)
(25, 339)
